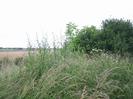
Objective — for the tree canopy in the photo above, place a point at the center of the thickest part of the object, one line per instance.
(115, 35)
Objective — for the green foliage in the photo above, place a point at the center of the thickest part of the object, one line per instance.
(64, 74)
(116, 36)
(68, 75)
(71, 30)
(18, 60)
(85, 40)
(71, 33)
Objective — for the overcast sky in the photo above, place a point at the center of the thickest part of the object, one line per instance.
(23, 19)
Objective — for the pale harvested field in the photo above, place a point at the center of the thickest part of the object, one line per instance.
(13, 54)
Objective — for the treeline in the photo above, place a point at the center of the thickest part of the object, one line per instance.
(12, 49)
(115, 36)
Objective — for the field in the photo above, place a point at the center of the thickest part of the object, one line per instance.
(12, 54)
(63, 74)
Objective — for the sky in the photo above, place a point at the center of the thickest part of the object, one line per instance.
(28, 20)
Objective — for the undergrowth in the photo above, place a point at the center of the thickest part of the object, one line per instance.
(62, 74)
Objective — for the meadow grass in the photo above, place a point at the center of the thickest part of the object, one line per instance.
(62, 74)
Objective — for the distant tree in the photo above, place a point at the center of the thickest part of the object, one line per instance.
(84, 40)
(117, 36)
(71, 33)
(87, 38)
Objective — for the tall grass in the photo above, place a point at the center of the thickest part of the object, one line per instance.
(62, 74)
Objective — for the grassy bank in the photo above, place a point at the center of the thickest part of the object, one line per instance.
(63, 74)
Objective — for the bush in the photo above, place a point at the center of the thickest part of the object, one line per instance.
(116, 36)
(85, 40)
(18, 60)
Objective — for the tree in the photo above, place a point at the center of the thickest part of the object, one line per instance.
(117, 35)
(71, 33)
(85, 39)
